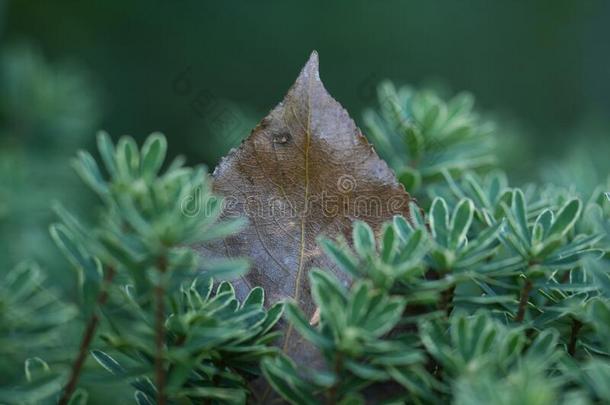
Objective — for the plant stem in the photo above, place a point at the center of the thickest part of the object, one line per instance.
(576, 326)
(523, 300)
(160, 332)
(88, 336)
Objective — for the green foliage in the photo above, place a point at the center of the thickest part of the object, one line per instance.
(214, 343)
(485, 361)
(147, 223)
(498, 295)
(353, 339)
(208, 341)
(502, 315)
(489, 293)
(421, 135)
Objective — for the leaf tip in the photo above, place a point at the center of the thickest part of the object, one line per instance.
(313, 59)
(312, 66)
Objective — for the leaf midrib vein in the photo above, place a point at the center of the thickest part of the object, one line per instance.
(297, 287)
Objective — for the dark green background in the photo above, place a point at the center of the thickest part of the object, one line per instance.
(545, 64)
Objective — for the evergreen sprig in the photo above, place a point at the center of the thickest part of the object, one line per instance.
(214, 343)
(421, 135)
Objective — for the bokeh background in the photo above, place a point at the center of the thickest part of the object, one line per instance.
(204, 72)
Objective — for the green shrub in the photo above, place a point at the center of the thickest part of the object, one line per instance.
(490, 294)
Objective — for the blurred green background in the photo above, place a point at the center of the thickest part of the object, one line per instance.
(204, 72)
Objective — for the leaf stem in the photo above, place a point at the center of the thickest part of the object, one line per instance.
(523, 300)
(160, 332)
(88, 336)
(576, 326)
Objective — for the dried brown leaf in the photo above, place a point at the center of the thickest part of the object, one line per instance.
(305, 170)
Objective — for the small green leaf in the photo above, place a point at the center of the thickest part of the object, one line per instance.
(89, 172)
(519, 210)
(545, 219)
(255, 298)
(359, 302)
(460, 223)
(106, 149)
(477, 191)
(273, 316)
(35, 367)
(143, 399)
(439, 221)
(402, 227)
(127, 158)
(417, 217)
(387, 244)
(484, 238)
(537, 234)
(566, 218)
(341, 256)
(225, 287)
(364, 239)
(300, 323)
(107, 362)
(153, 154)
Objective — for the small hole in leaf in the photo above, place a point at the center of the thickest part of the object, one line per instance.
(281, 138)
